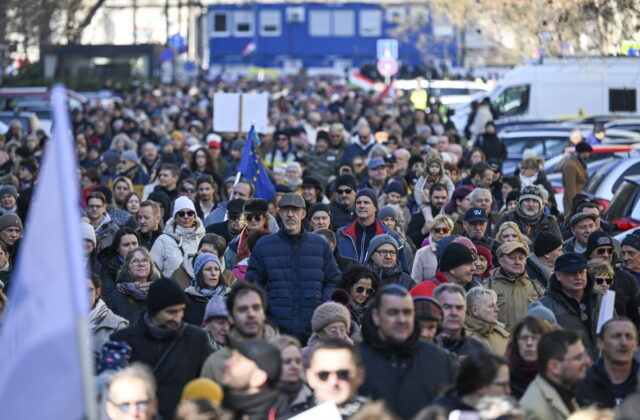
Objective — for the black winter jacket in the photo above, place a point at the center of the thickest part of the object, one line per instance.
(182, 363)
(408, 376)
(596, 388)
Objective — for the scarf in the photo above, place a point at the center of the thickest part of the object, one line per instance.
(524, 371)
(529, 220)
(195, 289)
(528, 180)
(136, 290)
(160, 333)
(97, 315)
(290, 389)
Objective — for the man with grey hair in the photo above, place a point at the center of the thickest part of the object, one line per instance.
(131, 394)
(454, 306)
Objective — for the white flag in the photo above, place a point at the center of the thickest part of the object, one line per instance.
(44, 326)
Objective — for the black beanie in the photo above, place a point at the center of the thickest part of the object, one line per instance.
(265, 355)
(368, 192)
(544, 243)
(632, 240)
(346, 180)
(597, 239)
(455, 255)
(163, 293)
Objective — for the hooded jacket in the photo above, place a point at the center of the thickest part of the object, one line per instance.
(569, 314)
(407, 376)
(514, 296)
(356, 148)
(493, 337)
(168, 250)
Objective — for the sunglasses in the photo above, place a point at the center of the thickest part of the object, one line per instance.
(235, 216)
(602, 251)
(187, 213)
(344, 191)
(124, 407)
(440, 230)
(607, 280)
(188, 189)
(252, 217)
(342, 374)
(362, 289)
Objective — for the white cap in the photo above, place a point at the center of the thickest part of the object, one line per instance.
(182, 203)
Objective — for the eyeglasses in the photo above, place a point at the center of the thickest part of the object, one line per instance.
(362, 289)
(602, 251)
(252, 217)
(342, 374)
(441, 230)
(600, 280)
(126, 406)
(140, 262)
(385, 252)
(188, 189)
(187, 213)
(95, 206)
(341, 191)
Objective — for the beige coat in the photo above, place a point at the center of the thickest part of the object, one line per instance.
(542, 402)
(514, 296)
(493, 337)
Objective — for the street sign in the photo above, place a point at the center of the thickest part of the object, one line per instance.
(387, 66)
(387, 48)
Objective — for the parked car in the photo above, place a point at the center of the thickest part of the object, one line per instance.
(623, 212)
(605, 182)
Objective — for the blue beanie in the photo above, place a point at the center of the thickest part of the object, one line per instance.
(201, 260)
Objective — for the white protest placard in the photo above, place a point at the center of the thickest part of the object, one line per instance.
(255, 107)
(606, 309)
(324, 411)
(226, 112)
(233, 112)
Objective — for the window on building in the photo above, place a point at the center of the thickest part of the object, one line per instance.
(270, 23)
(343, 23)
(319, 23)
(220, 24)
(243, 23)
(622, 100)
(370, 22)
(396, 14)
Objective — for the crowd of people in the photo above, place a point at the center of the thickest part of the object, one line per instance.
(395, 273)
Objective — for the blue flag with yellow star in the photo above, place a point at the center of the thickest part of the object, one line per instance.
(251, 168)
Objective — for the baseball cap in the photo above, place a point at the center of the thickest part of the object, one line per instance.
(571, 262)
(476, 214)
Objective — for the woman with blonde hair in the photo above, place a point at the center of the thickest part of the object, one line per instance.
(482, 323)
(121, 187)
(509, 232)
(425, 262)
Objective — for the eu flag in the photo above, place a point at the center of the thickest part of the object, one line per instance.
(251, 168)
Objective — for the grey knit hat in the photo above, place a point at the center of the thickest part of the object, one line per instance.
(380, 240)
(387, 211)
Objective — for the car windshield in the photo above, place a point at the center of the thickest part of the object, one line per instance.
(624, 197)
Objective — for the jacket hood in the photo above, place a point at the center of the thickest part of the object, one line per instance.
(371, 337)
(356, 140)
(474, 324)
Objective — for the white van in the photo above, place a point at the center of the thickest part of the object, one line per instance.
(570, 87)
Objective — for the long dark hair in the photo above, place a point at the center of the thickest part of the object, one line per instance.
(355, 272)
(210, 167)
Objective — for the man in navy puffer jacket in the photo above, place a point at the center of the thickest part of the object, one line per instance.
(296, 268)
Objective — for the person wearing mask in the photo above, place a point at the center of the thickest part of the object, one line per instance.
(160, 339)
(129, 299)
(296, 268)
(571, 299)
(383, 258)
(512, 285)
(522, 353)
(353, 239)
(342, 207)
(563, 364)
(574, 173)
(482, 374)
(582, 225)
(453, 337)
(482, 323)
(615, 374)
(250, 378)
(246, 305)
(530, 215)
(181, 236)
(541, 262)
(392, 344)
